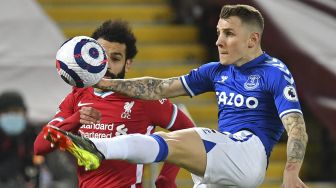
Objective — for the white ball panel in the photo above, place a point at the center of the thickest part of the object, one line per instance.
(66, 55)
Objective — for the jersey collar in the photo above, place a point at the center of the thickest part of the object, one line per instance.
(102, 94)
(253, 62)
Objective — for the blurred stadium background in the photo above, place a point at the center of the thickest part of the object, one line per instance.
(175, 36)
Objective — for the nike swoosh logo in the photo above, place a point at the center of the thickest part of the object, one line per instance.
(83, 104)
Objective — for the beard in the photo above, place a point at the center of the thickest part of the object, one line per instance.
(120, 75)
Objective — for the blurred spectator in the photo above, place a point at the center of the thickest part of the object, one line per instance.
(19, 168)
(16, 144)
(207, 24)
(203, 14)
(58, 171)
(186, 11)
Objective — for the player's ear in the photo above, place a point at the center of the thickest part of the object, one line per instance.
(254, 39)
(128, 64)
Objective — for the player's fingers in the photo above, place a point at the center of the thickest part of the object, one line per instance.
(85, 110)
(96, 113)
(88, 110)
(84, 119)
(84, 122)
(92, 112)
(84, 116)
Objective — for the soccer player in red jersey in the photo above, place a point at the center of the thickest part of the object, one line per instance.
(120, 115)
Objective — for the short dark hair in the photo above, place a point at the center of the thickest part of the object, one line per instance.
(11, 99)
(117, 31)
(246, 13)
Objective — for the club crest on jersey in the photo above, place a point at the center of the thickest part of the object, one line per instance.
(252, 82)
(162, 100)
(128, 109)
(290, 93)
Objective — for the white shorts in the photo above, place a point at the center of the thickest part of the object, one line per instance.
(233, 160)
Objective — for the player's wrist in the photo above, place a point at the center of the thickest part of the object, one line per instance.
(292, 168)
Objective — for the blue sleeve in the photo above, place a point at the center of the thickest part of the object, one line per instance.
(199, 80)
(281, 84)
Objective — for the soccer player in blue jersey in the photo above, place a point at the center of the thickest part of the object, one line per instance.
(257, 101)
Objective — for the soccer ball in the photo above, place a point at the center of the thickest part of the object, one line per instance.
(81, 61)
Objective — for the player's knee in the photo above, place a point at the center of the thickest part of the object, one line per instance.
(164, 135)
(168, 138)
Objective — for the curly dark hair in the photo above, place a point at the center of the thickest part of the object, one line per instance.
(117, 31)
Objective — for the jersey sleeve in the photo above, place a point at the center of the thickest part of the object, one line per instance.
(167, 176)
(199, 80)
(65, 118)
(65, 109)
(165, 114)
(282, 86)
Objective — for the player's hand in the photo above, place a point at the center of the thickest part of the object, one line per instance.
(89, 115)
(292, 181)
(164, 182)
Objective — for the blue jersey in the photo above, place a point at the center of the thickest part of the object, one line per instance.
(254, 96)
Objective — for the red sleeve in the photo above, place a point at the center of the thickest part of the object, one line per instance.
(66, 119)
(165, 114)
(167, 176)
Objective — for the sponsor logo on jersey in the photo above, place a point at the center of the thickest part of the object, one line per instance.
(238, 100)
(98, 126)
(128, 109)
(252, 82)
(290, 93)
(83, 104)
(121, 130)
(223, 79)
(94, 130)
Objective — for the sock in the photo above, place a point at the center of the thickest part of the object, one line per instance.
(163, 151)
(136, 148)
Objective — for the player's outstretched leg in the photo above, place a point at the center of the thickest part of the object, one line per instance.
(183, 148)
(82, 148)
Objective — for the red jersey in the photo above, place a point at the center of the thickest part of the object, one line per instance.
(120, 115)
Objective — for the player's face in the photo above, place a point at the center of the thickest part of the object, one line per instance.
(118, 65)
(232, 41)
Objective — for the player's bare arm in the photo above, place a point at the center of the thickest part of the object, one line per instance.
(296, 146)
(147, 88)
(297, 137)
